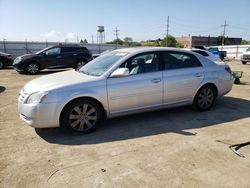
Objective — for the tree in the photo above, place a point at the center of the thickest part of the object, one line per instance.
(85, 41)
(169, 41)
(127, 41)
(118, 41)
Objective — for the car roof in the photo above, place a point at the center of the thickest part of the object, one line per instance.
(68, 45)
(136, 50)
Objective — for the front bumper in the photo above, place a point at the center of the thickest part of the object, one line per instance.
(245, 58)
(18, 68)
(39, 115)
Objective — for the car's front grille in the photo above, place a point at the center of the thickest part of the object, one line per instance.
(22, 95)
(246, 56)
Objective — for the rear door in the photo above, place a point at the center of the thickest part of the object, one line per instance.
(141, 89)
(69, 56)
(182, 75)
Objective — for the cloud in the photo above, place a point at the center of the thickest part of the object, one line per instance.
(52, 34)
(71, 36)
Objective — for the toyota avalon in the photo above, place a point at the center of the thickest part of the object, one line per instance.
(122, 82)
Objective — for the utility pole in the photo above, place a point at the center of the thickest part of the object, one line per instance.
(92, 37)
(223, 35)
(167, 31)
(116, 34)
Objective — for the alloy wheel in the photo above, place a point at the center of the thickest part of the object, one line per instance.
(32, 68)
(80, 64)
(206, 98)
(83, 117)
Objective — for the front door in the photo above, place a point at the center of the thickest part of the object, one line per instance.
(51, 58)
(143, 88)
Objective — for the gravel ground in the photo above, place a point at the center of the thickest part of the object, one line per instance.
(169, 148)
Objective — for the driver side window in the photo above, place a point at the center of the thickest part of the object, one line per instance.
(53, 51)
(144, 63)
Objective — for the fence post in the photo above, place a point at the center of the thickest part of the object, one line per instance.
(237, 50)
(26, 46)
(4, 47)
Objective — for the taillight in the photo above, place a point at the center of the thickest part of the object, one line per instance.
(228, 70)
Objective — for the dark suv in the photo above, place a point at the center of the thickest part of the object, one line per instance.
(59, 56)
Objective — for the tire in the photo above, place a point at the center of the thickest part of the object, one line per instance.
(32, 68)
(204, 98)
(81, 116)
(237, 81)
(79, 64)
(222, 57)
(244, 62)
(1, 65)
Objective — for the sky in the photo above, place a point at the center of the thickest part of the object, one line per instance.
(72, 20)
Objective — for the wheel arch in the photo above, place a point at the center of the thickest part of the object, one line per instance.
(104, 112)
(213, 85)
(33, 61)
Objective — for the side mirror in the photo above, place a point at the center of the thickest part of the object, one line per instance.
(121, 72)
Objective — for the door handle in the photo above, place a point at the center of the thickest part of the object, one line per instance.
(156, 80)
(197, 74)
(59, 57)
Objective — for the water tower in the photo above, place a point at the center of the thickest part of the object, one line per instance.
(100, 34)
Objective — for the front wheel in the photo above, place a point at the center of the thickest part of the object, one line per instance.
(244, 62)
(32, 68)
(204, 99)
(81, 115)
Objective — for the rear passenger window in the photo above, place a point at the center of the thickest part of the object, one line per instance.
(69, 49)
(179, 60)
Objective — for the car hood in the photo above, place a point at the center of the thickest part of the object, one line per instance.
(58, 80)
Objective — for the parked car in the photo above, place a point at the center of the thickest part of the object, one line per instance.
(59, 56)
(246, 56)
(5, 60)
(122, 82)
(214, 50)
(219, 53)
(206, 54)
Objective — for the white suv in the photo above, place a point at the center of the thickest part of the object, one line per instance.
(246, 56)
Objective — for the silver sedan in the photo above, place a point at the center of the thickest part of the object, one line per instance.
(122, 82)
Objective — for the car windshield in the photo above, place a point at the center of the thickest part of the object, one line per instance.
(40, 51)
(101, 64)
(248, 50)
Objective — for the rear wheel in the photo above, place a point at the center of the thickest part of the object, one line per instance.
(81, 115)
(32, 68)
(79, 64)
(204, 98)
(244, 62)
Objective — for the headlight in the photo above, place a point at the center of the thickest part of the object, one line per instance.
(17, 60)
(36, 98)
